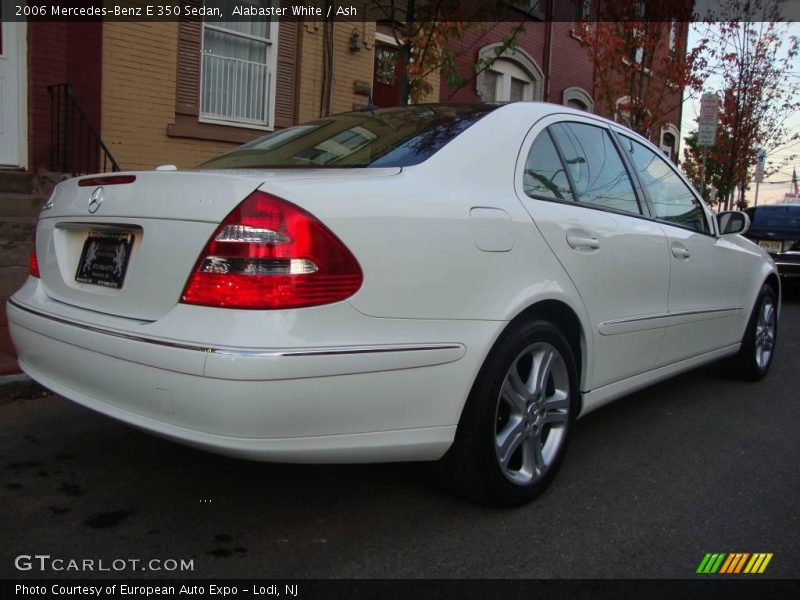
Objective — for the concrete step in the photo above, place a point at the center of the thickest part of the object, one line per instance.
(16, 229)
(21, 205)
(19, 182)
(15, 254)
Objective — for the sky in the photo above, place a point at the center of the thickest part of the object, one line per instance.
(774, 187)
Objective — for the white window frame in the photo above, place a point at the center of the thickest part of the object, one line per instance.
(506, 70)
(511, 63)
(271, 62)
(676, 133)
(673, 35)
(579, 94)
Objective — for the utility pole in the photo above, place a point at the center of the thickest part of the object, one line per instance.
(761, 159)
(703, 173)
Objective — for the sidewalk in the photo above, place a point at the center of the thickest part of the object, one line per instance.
(8, 356)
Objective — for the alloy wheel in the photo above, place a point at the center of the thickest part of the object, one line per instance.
(532, 414)
(765, 333)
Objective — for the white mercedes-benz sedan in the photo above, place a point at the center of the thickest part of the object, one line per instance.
(432, 282)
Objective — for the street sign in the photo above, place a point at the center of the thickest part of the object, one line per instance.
(761, 159)
(706, 131)
(709, 106)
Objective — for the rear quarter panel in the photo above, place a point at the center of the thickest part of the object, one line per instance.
(416, 244)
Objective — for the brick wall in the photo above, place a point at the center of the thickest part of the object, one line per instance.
(349, 67)
(531, 40)
(139, 66)
(570, 65)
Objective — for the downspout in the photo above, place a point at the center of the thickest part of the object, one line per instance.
(332, 74)
(679, 141)
(548, 49)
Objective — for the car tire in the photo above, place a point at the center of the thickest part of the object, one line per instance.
(516, 424)
(754, 358)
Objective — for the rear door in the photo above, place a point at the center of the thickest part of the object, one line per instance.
(706, 271)
(574, 183)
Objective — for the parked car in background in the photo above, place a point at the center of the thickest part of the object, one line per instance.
(776, 228)
(431, 282)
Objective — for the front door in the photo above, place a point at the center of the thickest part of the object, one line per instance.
(578, 191)
(706, 285)
(386, 82)
(10, 88)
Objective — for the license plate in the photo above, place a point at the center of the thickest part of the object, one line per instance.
(773, 246)
(104, 259)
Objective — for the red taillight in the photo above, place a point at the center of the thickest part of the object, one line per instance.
(33, 261)
(270, 254)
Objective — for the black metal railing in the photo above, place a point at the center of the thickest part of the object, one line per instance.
(75, 146)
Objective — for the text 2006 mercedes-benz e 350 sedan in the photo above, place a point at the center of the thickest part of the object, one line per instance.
(454, 282)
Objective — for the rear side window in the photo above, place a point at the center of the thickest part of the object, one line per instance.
(673, 200)
(544, 175)
(598, 174)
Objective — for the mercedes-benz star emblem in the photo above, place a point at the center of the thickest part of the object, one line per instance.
(95, 200)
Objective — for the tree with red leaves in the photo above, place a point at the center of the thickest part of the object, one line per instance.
(754, 60)
(431, 34)
(641, 66)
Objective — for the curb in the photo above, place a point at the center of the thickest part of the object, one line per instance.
(19, 387)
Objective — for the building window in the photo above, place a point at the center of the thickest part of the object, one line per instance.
(639, 34)
(623, 111)
(511, 77)
(507, 82)
(673, 35)
(534, 8)
(576, 97)
(237, 71)
(669, 141)
(583, 10)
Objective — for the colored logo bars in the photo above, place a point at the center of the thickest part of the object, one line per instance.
(733, 563)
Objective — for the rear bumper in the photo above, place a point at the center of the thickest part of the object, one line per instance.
(332, 403)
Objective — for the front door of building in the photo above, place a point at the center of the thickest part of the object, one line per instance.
(386, 82)
(10, 88)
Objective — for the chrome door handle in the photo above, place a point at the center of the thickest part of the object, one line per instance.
(580, 242)
(680, 251)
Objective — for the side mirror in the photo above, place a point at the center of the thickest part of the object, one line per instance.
(732, 221)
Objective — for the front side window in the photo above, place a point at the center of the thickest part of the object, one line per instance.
(596, 168)
(236, 71)
(672, 199)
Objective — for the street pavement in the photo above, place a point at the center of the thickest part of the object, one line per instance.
(651, 483)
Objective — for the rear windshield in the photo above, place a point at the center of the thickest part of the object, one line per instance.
(384, 137)
(775, 217)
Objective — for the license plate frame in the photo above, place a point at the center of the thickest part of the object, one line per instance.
(104, 259)
(771, 246)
